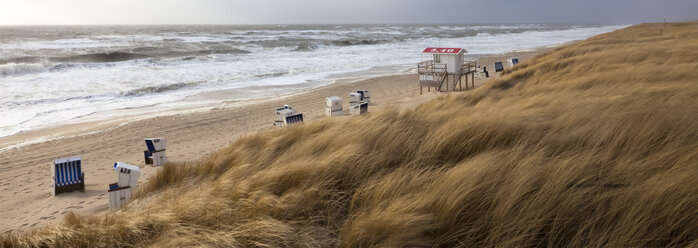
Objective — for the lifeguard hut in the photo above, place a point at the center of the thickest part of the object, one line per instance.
(446, 68)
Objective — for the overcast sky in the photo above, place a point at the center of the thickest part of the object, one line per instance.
(56, 12)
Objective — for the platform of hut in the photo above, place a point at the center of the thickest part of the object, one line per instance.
(439, 76)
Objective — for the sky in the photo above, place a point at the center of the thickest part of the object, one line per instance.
(104, 12)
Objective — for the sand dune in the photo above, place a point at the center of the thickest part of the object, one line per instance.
(590, 145)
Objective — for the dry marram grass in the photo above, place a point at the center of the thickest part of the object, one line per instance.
(594, 144)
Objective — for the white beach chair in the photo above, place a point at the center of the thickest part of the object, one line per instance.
(513, 61)
(155, 155)
(359, 109)
(120, 192)
(333, 106)
(287, 115)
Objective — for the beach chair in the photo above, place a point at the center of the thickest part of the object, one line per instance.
(155, 155)
(282, 113)
(287, 115)
(120, 192)
(67, 175)
(513, 61)
(359, 109)
(498, 66)
(333, 106)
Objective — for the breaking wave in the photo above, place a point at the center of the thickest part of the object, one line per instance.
(305, 47)
(350, 42)
(159, 88)
(120, 56)
(104, 57)
(13, 69)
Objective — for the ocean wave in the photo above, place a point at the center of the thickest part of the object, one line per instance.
(10, 104)
(13, 69)
(222, 51)
(116, 56)
(353, 42)
(305, 47)
(273, 74)
(68, 66)
(146, 53)
(160, 88)
(23, 60)
(157, 52)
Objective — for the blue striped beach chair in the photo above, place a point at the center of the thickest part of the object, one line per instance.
(292, 119)
(67, 175)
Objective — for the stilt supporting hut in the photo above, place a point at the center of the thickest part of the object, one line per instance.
(446, 71)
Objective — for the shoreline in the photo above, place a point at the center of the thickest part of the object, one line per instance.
(192, 135)
(67, 130)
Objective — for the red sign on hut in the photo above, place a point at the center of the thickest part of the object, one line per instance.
(443, 50)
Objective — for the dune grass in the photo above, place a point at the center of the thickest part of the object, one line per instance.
(594, 144)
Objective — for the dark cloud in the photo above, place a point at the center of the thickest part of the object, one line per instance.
(346, 11)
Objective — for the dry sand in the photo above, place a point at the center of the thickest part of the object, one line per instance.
(25, 184)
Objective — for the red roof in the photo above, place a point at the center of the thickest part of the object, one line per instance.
(443, 50)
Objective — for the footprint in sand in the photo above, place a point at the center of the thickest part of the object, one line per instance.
(33, 225)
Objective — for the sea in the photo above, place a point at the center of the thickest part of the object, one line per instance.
(55, 75)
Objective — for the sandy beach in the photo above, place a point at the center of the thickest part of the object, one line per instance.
(26, 201)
